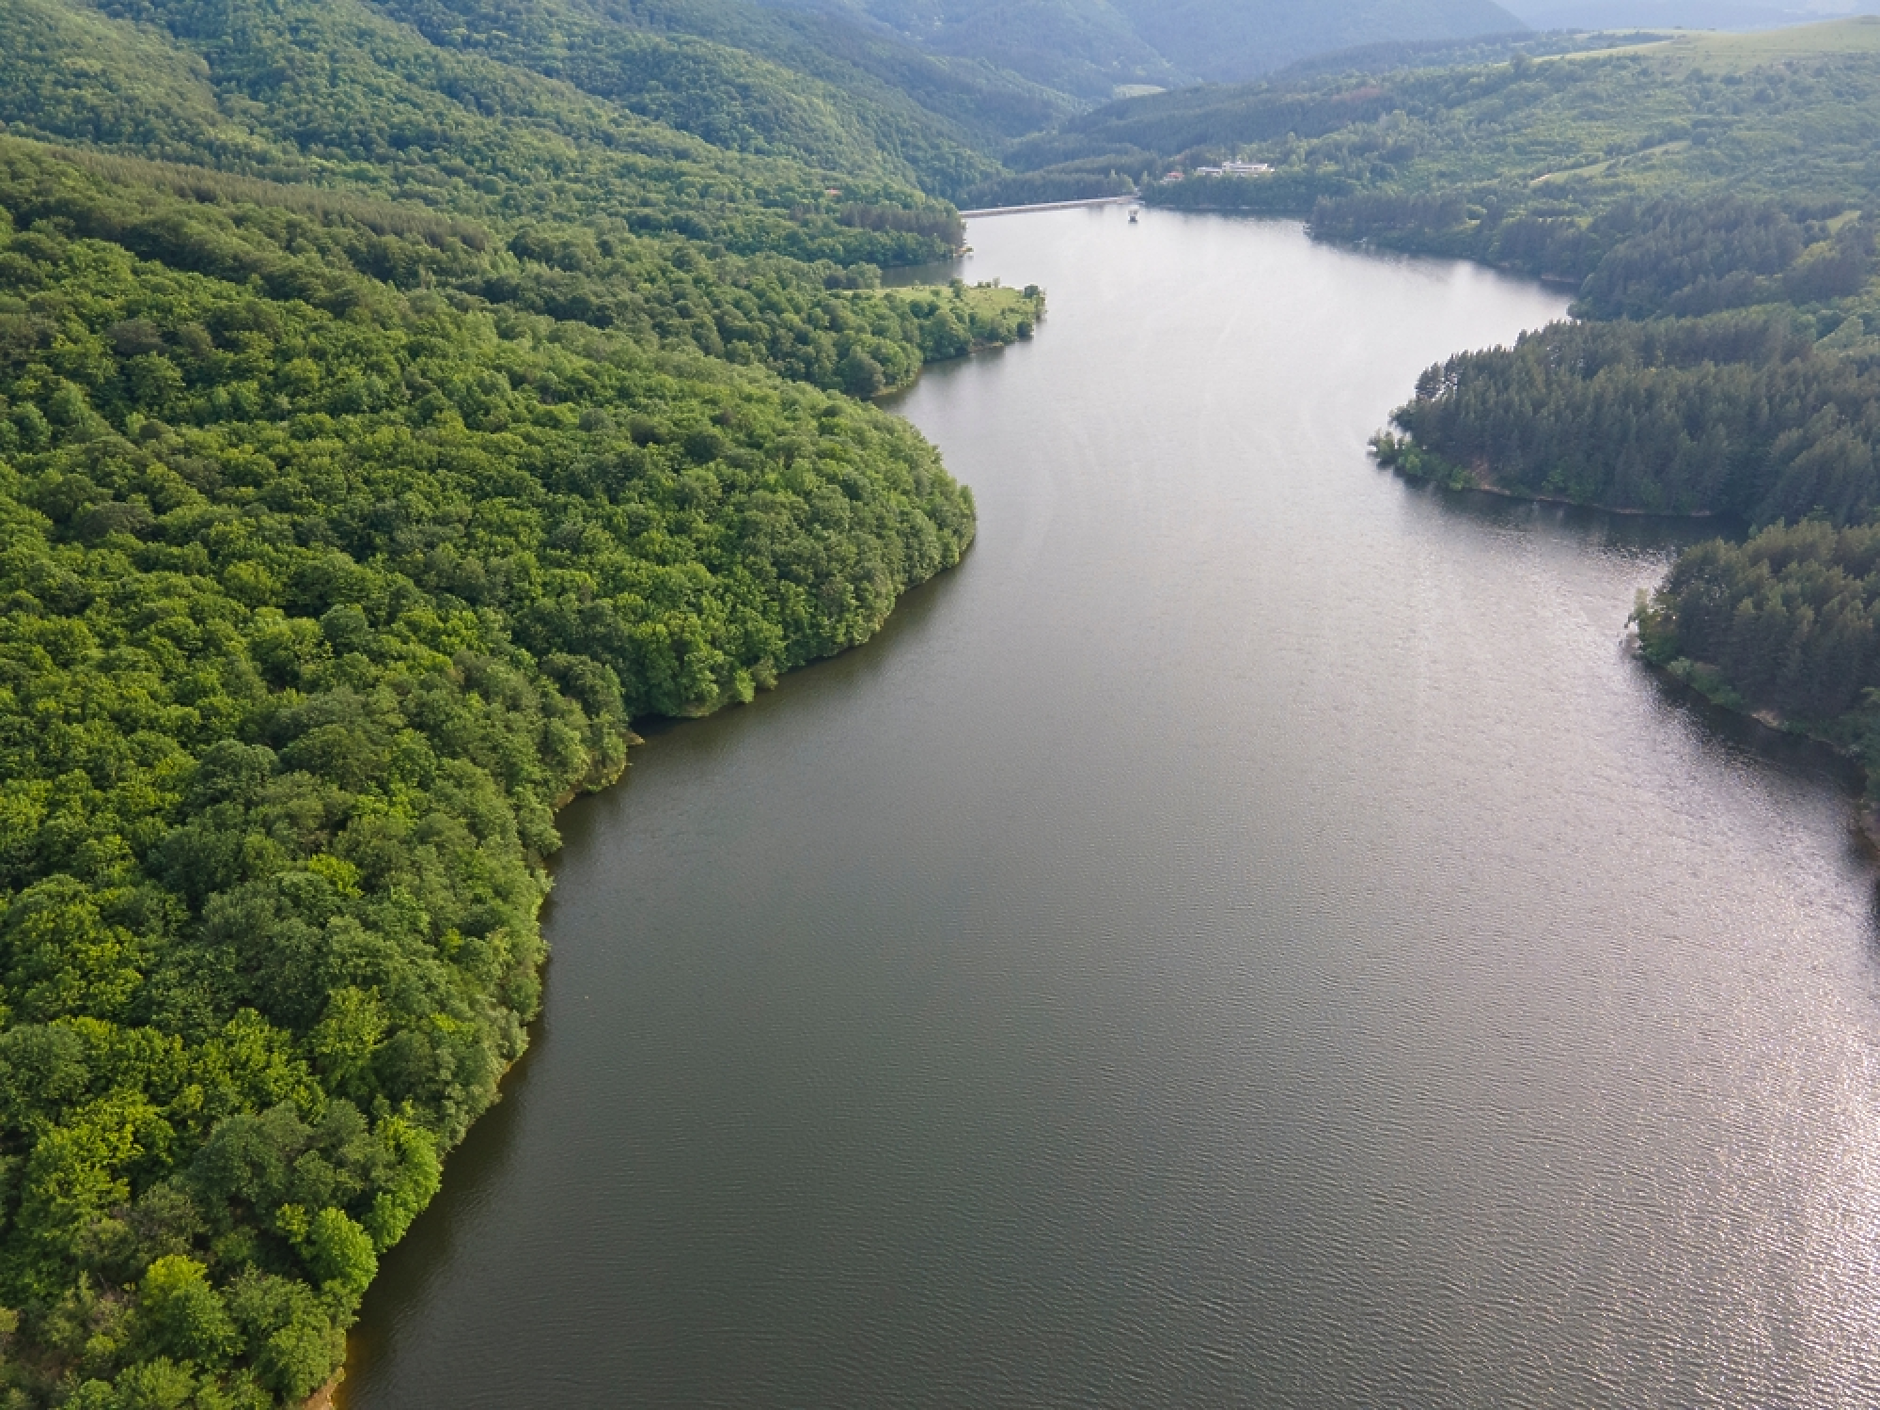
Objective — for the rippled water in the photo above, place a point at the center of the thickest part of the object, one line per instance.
(1248, 937)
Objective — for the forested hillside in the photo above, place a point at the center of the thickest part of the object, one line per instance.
(1673, 14)
(391, 410)
(1085, 48)
(1729, 362)
(1319, 123)
(1787, 116)
(400, 397)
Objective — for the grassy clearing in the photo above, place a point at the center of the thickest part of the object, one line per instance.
(1739, 53)
(994, 313)
(1602, 168)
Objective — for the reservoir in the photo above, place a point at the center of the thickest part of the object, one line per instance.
(1250, 936)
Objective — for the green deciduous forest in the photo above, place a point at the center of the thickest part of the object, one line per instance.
(400, 399)
(391, 412)
(313, 615)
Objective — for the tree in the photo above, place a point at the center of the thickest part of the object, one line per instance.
(183, 1316)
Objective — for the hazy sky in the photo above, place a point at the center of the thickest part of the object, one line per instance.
(1695, 14)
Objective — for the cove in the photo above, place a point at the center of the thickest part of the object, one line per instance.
(1249, 936)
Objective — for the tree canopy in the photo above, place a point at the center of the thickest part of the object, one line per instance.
(399, 399)
(386, 422)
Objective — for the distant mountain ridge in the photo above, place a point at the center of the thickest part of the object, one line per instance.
(1681, 14)
(1225, 40)
(1086, 48)
(1089, 48)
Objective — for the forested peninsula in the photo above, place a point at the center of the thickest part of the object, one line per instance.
(385, 424)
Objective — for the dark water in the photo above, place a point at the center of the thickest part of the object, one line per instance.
(1250, 937)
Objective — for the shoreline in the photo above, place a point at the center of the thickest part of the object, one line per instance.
(888, 393)
(1476, 483)
(1544, 521)
(1866, 810)
(332, 1395)
(1769, 727)
(1694, 515)
(1048, 206)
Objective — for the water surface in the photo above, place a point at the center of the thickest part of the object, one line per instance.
(1249, 937)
